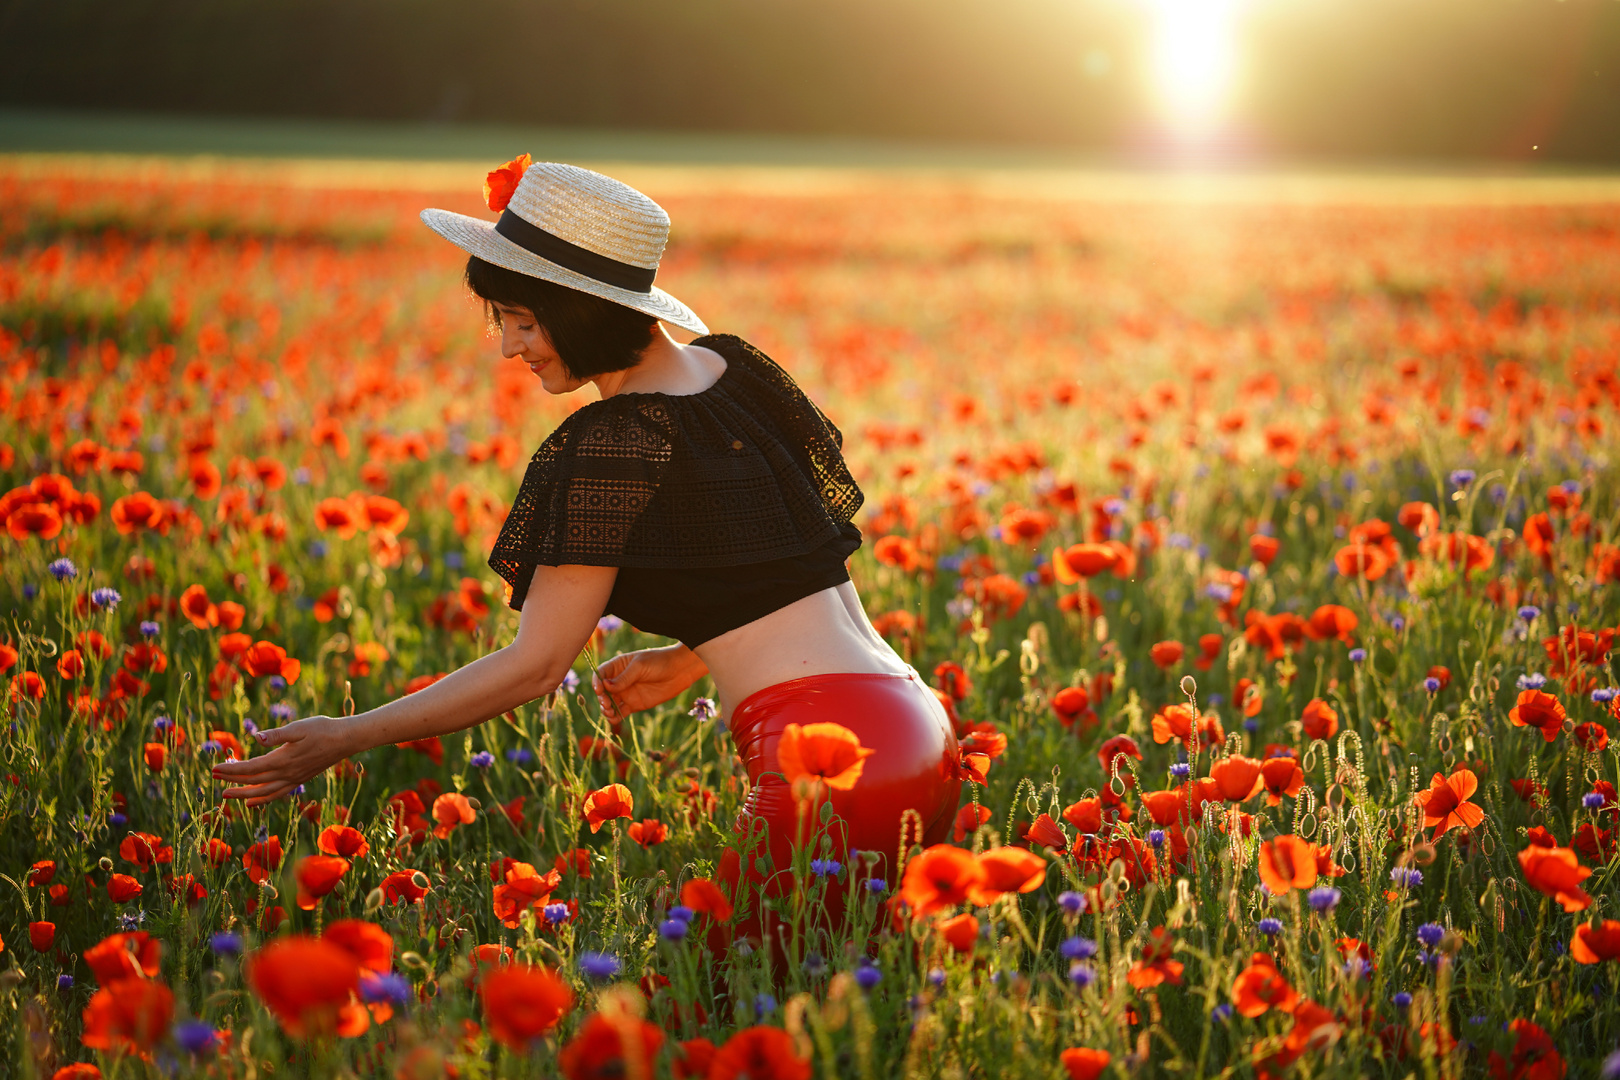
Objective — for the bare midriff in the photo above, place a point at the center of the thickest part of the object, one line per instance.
(825, 633)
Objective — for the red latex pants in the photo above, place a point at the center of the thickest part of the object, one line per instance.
(914, 768)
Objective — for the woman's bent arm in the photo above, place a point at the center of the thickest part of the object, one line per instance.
(560, 611)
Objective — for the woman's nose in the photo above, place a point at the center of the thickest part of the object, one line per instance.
(510, 346)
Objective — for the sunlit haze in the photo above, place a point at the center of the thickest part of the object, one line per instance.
(1194, 59)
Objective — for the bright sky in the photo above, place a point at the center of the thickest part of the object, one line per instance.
(1194, 59)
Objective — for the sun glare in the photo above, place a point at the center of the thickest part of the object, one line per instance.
(1194, 59)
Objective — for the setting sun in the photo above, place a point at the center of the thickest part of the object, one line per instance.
(1194, 59)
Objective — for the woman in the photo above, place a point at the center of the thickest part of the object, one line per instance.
(703, 498)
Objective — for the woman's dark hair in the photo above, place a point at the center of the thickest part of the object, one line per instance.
(592, 336)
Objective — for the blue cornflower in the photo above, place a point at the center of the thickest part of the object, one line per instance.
(1603, 695)
(555, 913)
(703, 708)
(570, 682)
(105, 598)
(867, 974)
(317, 549)
(519, 755)
(1156, 837)
(131, 921)
(814, 965)
(1396, 623)
(1430, 934)
(1406, 877)
(226, 944)
(117, 820)
(481, 760)
(1082, 974)
(681, 912)
(63, 570)
(162, 723)
(1269, 926)
(455, 560)
(210, 748)
(1461, 478)
(672, 929)
(1071, 902)
(150, 628)
(1611, 1067)
(1078, 948)
(825, 867)
(1323, 899)
(195, 1036)
(390, 987)
(1222, 1012)
(1592, 800)
(599, 965)
(281, 712)
(1181, 770)
(29, 590)
(1432, 685)
(936, 976)
(1529, 613)
(1402, 1000)
(764, 1005)
(1533, 680)
(64, 982)
(1357, 968)
(876, 885)
(609, 623)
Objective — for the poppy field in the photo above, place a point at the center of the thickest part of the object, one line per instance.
(1263, 549)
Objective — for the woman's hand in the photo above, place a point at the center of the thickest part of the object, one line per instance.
(303, 748)
(640, 680)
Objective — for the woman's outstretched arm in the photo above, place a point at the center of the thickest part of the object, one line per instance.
(560, 611)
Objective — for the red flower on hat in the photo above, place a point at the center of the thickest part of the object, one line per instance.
(499, 185)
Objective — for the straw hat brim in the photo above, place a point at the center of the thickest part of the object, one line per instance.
(478, 237)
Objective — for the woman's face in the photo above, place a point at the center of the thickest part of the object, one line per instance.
(522, 338)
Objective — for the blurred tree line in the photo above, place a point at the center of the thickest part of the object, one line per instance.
(1383, 78)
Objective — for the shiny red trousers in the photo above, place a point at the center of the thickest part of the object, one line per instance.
(911, 777)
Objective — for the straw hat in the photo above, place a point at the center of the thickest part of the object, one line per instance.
(578, 228)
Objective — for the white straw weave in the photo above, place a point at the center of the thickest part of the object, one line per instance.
(585, 208)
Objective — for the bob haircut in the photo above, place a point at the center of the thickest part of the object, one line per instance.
(592, 336)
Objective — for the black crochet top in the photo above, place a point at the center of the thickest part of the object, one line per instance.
(718, 507)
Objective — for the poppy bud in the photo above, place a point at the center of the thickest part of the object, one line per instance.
(106, 864)
(419, 879)
(374, 900)
(474, 803)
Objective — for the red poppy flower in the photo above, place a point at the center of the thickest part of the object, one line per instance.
(41, 935)
(1446, 806)
(1538, 710)
(825, 752)
(371, 946)
(960, 932)
(1591, 737)
(1558, 873)
(522, 1003)
(41, 873)
(1534, 1056)
(1166, 654)
(138, 511)
(1156, 966)
(648, 832)
(611, 1045)
(451, 811)
(318, 875)
(1005, 870)
(1072, 704)
(701, 894)
(607, 804)
(343, 840)
(1260, 987)
(1281, 776)
(39, 519)
(503, 181)
(1419, 517)
(1237, 778)
(261, 858)
(951, 678)
(1264, 548)
(1320, 719)
(1082, 1063)
(938, 878)
(264, 659)
(78, 1070)
(967, 821)
(306, 982)
(122, 888)
(1082, 561)
(759, 1051)
(125, 956)
(408, 886)
(132, 1015)
(1287, 862)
